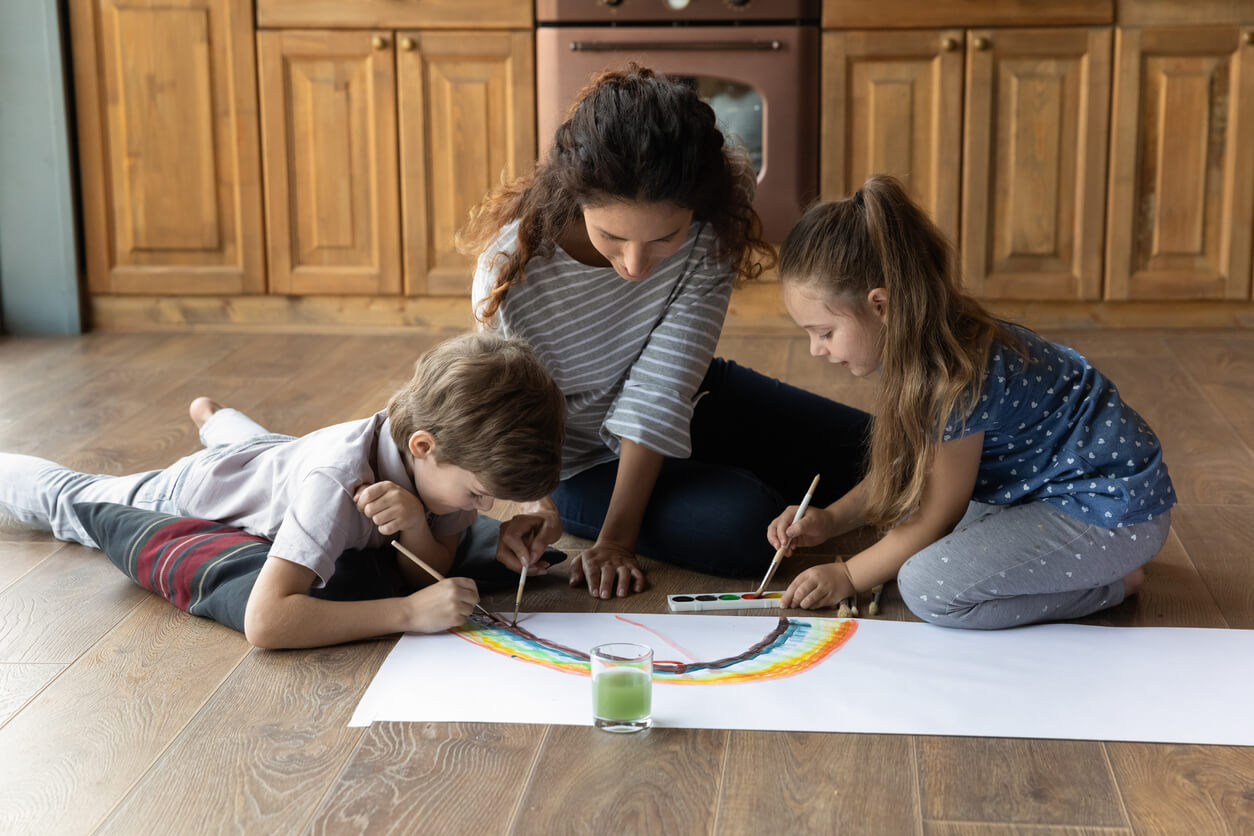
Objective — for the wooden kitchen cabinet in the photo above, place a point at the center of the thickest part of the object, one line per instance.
(1182, 164)
(328, 105)
(1015, 176)
(892, 104)
(378, 144)
(1034, 162)
(168, 146)
(467, 116)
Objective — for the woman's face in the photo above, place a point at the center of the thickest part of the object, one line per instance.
(636, 237)
(847, 335)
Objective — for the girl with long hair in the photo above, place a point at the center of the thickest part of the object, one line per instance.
(615, 259)
(1013, 482)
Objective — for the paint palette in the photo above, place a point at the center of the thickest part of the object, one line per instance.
(706, 601)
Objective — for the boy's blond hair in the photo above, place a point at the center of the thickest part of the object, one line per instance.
(493, 410)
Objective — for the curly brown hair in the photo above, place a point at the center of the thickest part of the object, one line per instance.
(633, 135)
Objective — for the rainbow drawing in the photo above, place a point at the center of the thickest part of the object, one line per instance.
(794, 646)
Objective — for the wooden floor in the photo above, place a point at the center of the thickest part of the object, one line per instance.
(119, 714)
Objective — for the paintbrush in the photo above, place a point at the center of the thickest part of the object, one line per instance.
(779, 553)
(422, 564)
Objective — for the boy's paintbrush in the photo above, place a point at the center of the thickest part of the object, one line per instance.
(779, 553)
(433, 573)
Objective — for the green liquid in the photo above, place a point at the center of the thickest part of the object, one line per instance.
(624, 695)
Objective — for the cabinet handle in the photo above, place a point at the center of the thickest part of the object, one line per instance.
(949, 44)
(980, 43)
(408, 44)
(379, 42)
(1247, 38)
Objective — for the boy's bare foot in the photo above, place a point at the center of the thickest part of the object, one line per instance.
(201, 409)
(1132, 582)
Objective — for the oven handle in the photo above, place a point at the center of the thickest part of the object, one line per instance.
(676, 46)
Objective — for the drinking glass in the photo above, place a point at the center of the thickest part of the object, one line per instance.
(622, 686)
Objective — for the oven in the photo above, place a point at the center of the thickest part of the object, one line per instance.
(756, 62)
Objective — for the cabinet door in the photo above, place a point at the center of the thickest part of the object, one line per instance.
(167, 125)
(467, 119)
(328, 119)
(1182, 165)
(1034, 168)
(892, 104)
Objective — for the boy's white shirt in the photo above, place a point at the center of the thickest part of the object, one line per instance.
(299, 492)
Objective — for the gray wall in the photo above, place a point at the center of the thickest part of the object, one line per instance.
(38, 251)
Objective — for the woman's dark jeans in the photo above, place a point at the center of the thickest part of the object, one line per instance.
(756, 444)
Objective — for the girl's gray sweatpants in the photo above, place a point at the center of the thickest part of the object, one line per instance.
(1004, 566)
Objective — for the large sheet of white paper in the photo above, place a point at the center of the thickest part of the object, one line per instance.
(810, 674)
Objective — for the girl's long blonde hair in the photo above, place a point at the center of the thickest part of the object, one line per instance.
(634, 135)
(936, 338)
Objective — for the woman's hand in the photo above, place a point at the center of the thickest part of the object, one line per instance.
(819, 586)
(442, 605)
(817, 526)
(609, 569)
(390, 507)
(525, 537)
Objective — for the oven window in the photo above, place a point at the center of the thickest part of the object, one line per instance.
(738, 108)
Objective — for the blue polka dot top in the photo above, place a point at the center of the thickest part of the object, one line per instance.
(1058, 432)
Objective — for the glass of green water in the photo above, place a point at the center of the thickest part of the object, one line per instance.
(622, 686)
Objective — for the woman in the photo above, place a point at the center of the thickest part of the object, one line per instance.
(615, 259)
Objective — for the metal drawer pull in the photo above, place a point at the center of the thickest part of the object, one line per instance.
(676, 46)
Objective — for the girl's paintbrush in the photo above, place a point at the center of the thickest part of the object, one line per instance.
(422, 564)
(779, 553)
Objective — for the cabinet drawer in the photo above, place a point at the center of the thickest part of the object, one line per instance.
(390, 14)
(910, 14)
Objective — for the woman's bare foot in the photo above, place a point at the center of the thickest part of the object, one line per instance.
(1132, 582)
(201, 410)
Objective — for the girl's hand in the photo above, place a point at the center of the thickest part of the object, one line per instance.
(442, 605)
(390, 507)
(819, 586)
(817, 526)
(525, 537)
(609, 569)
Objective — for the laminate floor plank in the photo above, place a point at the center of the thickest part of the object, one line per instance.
(432, 777)
(1220, 543)
(59, 609)
(657, 781)
(1172, 789)
(1017, 781)
(21, 681)
(950, 828)
(800, 782)
(263, 750)
(21, 556)
(77, 748)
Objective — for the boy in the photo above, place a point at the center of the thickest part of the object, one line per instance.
(480, 418)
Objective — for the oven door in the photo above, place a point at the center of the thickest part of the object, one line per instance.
(762, 82)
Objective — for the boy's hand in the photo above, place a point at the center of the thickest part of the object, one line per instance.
(442, 605)
(390, 507)
(819, 586)
(525, 537)
(609, 570)
(812, 529)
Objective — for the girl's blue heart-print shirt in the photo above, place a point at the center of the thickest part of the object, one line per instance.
(1056, 430)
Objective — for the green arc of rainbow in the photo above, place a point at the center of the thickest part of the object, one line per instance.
(794, 646)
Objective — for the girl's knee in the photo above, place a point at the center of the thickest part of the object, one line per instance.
(922, 583)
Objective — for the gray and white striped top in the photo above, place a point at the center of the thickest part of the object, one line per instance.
(629, 356)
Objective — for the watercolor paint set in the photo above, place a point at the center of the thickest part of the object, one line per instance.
(706, 601)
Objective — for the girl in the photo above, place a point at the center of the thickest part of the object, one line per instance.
(1015, 483)
(615, 260)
